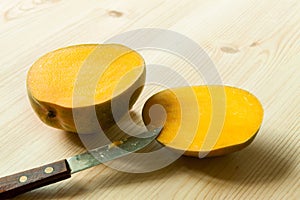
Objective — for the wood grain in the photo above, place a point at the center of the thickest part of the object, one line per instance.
(254, 44)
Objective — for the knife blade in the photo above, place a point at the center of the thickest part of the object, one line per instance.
(28, 180)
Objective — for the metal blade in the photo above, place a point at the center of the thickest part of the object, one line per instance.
(111, 151)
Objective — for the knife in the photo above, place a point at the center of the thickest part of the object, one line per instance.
(25, 181)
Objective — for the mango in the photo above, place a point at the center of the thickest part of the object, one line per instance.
(204, 121)
(66, 86)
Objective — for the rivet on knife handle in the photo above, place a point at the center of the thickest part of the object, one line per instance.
(19, 183)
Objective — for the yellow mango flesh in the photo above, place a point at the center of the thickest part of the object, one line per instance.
(84, 78)
(53, 77)
(205, 120)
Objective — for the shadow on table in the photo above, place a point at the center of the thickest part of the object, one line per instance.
(76, 190)
(258, 163)
(255, 164)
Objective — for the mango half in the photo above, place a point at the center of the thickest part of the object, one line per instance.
(82, 87)
(204, 121)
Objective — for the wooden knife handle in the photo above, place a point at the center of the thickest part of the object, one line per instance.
(22, 182)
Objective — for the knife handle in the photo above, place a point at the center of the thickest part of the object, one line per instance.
(22, 182)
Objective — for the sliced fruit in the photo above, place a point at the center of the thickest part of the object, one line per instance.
(91, 84)
(204, 121)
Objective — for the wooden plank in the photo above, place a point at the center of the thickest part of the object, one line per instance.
(254, 44)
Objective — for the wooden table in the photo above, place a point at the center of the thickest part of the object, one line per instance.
(254, 44)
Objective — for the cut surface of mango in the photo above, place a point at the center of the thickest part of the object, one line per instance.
(53, 77)
(204, 120)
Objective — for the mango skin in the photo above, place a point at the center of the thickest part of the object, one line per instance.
(61, 116)
(188, 119)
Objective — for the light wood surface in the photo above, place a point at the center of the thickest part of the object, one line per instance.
(254, 44)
